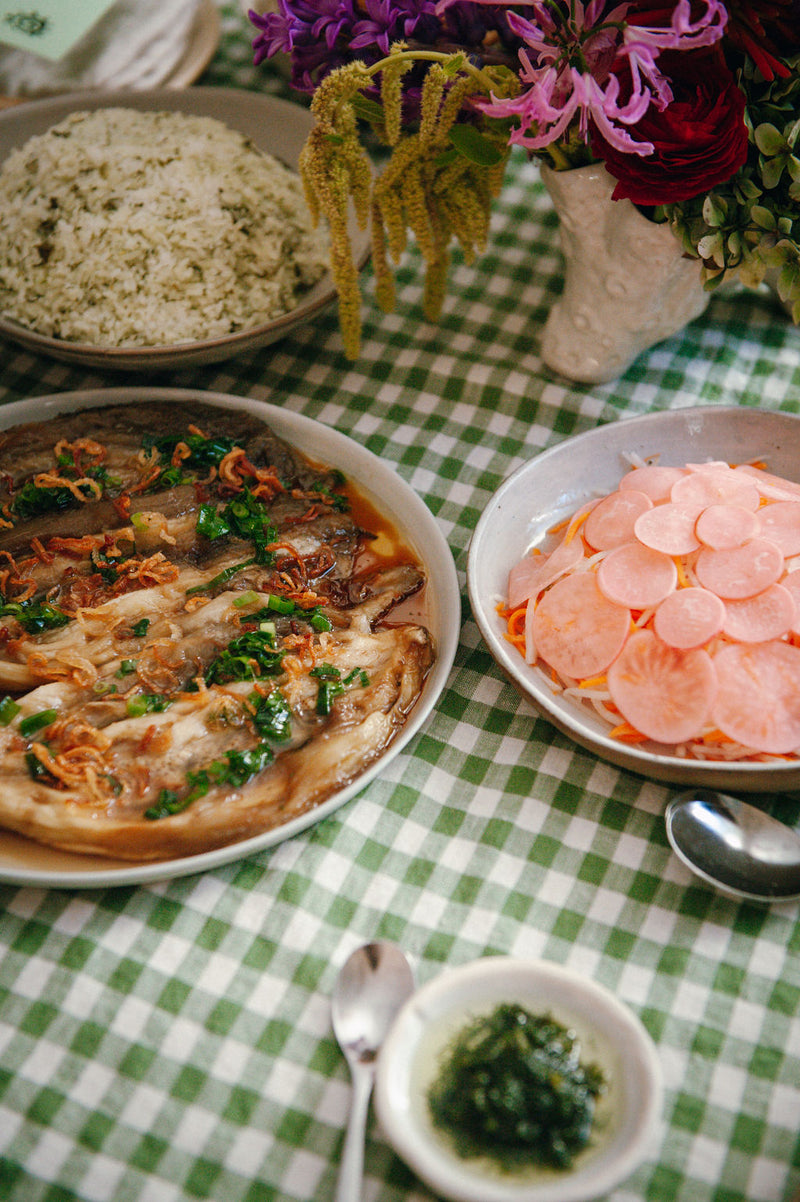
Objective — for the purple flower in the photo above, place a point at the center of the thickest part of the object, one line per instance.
(308, 30)
(387, 21)
(321, 35)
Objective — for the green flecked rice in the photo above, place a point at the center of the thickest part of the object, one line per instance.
(125, 228)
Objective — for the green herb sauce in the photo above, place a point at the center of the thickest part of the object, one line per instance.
(511, 1087)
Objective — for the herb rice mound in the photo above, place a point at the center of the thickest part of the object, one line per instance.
(126, 228)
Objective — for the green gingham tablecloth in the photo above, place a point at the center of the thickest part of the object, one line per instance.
(173, 1041)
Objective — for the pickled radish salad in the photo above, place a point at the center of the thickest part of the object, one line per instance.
(671, 606)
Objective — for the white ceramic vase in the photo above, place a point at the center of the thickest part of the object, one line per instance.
(627, 283)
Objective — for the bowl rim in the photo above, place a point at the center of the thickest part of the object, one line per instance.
(656, 765)
(487, 981)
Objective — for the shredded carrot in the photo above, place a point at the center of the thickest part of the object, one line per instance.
(627, 733)
(683, 579)
(575, 526)
(716, 736)
(515, 626)
(593, 682)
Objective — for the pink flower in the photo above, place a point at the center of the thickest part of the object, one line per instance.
(567, 60)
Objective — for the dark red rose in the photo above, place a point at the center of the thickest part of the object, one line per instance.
(700, 139)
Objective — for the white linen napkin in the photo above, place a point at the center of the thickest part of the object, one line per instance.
(136, 44)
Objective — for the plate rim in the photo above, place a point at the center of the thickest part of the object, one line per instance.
(744, 776)
(194, 100)
(420, 528)
(204, 38)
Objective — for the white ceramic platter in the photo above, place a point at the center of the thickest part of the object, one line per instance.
(610, 1034)
(24, 862)
(273, 125)
(551, 487)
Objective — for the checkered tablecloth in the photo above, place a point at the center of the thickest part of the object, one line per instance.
(173, 1041)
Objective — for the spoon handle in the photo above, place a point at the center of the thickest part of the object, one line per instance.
(351, 1167)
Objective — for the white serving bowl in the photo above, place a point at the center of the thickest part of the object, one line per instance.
(610, 1034)
(551, 487)
(276, 126)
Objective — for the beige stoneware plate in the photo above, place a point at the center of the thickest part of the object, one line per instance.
(274, 125)
(24, 862)
(551, 487)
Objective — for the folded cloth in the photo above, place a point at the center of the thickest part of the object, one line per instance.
(136, 44)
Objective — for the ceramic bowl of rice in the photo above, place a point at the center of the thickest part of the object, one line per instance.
(725, 680)
(157, 230)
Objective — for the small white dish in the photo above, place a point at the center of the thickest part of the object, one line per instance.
(549, 488)
(276, 126)
(611, 1035)
(24, 862)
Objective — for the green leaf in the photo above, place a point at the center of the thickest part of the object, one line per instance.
(771, 172)
(764, 218)
(787, 279)
(454, 65)
(473, 145)
(792, 134)
(769, 140)
(711, 247)
(714, 210)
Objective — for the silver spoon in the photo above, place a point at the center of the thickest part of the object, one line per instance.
(739, 848)
(373, 984)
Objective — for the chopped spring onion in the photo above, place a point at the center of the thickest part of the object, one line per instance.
(8, 710)
(36, 722)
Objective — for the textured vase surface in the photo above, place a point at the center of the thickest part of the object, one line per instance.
(627, 283)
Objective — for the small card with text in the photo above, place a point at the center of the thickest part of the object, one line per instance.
(49, 28)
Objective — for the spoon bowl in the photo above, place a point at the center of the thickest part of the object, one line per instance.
(735, 846)
(373, 984)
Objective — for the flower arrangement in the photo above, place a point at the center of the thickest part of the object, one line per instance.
(693, 107)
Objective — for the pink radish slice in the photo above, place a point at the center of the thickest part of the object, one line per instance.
(578, 631)
(792, 584)
(780, 523)
(524, 579)
(775, 488)
(688, 618)
(656, 482)
(610, 524)
(636, 577)
(758, 700)
(742, 571)
(769, 615)
(723, 527)
(668, 528)
(664, 693)
(534, 573)
(715, 486)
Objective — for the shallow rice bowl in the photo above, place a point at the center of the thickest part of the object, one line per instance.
(124, 228)
(218, 287)
(548, 489)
